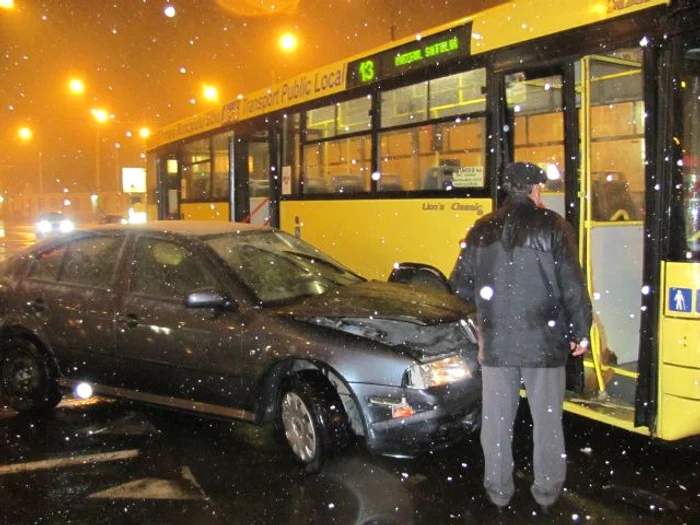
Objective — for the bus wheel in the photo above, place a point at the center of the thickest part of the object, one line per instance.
(26, 380)
(312, 420)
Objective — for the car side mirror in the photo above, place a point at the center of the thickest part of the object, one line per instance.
(419, 274)
(208, 298)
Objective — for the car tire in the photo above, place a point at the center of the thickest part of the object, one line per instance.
(312, 420)
(27, 382)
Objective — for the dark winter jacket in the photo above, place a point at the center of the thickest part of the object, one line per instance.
(520, 267)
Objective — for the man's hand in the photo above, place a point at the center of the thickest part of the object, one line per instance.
(580, 348)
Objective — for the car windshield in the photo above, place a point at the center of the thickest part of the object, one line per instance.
(278, 267)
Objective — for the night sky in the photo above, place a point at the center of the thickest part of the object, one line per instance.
(148, 69)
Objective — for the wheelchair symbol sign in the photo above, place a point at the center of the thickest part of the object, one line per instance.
(680, 300)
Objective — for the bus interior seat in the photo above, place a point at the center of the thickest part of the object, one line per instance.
(438, 178)
(390, 182)
(347, 183)
(612, 200)
(313, 185)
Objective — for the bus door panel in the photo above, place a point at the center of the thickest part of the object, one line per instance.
(613, 231)
(169, 204)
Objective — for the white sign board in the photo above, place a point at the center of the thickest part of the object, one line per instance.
(469, 177)
(134, 180)
(286, 180)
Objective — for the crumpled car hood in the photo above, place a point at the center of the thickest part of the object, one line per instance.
(383, 300)
(421, 322)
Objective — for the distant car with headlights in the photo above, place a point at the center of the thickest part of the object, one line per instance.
(238, 321)
(53, 223)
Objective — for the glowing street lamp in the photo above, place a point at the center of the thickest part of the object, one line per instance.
(76, 86)
(25, 134)
(288, 42)
(210, 93)
(7, 4)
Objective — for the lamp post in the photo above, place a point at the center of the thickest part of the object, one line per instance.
(101, 116)
(26, 135)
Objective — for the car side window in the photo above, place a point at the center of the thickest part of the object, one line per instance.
(167, 269)
(46, 265)
(91, 261)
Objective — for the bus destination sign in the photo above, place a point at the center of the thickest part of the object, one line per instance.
(450, 44)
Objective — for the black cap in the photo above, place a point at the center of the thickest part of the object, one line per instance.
(524, 173)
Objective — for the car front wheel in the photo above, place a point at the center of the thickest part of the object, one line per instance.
(27, 383)
(313, 421)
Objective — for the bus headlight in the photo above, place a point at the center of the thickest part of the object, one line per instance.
(441, 372)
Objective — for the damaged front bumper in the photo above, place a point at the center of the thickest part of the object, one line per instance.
(405, 422)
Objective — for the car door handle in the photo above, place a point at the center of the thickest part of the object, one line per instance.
(37, 305)
(129, 321)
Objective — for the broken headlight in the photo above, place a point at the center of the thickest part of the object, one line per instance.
(436, 373)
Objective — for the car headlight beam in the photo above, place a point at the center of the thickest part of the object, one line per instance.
(43, 226)
(66, 226)
(436, 373)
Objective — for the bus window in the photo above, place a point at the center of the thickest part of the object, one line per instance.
(220, 179)
(691, 153)
(444, 149)
(195, 183)
(337, 148)
(536, 106)
(617, 136)
(338, 166)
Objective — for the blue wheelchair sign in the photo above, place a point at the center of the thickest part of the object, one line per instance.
(680, 300)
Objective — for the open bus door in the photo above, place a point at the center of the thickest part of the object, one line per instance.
(595, 127)
(583, 124)
(612, 231)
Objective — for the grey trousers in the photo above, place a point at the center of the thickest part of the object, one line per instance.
(545, 394)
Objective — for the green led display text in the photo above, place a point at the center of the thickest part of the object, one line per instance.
(428, 51)
(367, 70)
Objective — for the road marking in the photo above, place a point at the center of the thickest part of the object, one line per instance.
(68, 462)
(154, 488)
(151, 488)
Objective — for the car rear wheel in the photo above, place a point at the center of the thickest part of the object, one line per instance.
(27, 382)
(313, 421)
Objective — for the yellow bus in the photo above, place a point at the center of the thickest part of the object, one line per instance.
(392, 154)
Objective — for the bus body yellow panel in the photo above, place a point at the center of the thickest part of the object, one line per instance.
(679, 333)
(370, 236)
(498, 28)
(205, 211)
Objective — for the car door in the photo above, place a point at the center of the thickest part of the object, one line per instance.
(69, 290)
(168, 349)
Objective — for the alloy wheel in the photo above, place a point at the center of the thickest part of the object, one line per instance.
(299, 427)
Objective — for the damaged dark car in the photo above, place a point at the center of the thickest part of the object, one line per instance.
(238, 321)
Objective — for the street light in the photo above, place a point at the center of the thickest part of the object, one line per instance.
(101, 116)
(26, 135)
(76, 86)
(288, 42)
(210, 93)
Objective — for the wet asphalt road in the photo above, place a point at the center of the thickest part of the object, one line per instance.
(104, 462)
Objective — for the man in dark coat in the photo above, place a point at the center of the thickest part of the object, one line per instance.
(519, 266)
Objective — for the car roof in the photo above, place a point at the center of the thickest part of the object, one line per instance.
(184, 227)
